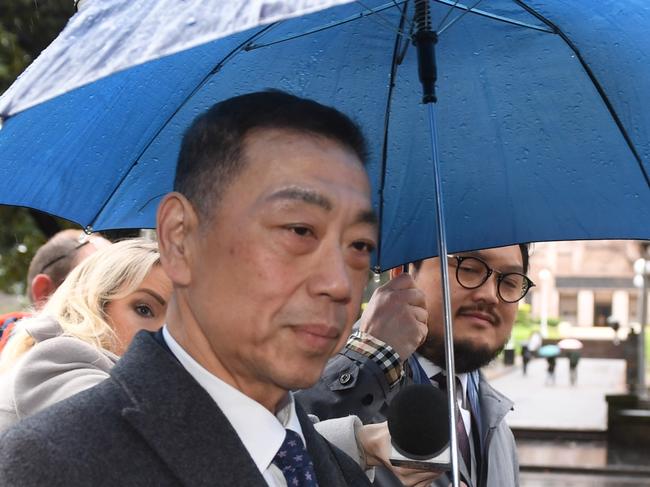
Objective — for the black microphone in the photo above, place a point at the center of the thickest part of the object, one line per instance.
(418, 422)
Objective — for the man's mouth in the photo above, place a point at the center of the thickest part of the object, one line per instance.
(479, 315)
(318, 336)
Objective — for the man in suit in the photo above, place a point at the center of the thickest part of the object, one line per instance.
(400, 341)
(267, 240)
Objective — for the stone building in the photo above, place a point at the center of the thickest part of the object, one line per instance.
(586, 282)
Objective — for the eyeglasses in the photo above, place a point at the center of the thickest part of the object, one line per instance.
(472, 273)
(69, 253)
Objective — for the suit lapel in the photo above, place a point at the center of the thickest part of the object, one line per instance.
(328, 471)
(494, 405)
(180, 421)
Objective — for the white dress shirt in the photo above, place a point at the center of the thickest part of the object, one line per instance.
(261, 432)
(431, 370)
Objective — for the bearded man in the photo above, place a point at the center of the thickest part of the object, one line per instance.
(400, 341)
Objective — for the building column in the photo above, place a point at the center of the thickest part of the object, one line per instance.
(621, 307)
(585, 308)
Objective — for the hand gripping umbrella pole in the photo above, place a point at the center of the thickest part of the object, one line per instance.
(425, 40)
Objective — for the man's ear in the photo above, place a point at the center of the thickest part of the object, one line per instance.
(177, 224)
(42, 289)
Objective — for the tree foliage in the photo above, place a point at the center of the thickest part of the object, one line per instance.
(26, 28)
(19, 239)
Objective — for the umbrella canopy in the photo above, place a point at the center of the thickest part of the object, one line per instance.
(570, 344)
(549, 351)
(544, 127)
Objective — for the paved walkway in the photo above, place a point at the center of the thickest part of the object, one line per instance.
(543, 405)
(535, 479)
(540, 405)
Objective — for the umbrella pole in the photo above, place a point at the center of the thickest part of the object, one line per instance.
(425, 40)
(446, 300)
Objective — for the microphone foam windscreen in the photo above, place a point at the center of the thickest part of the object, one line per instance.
(418, 421)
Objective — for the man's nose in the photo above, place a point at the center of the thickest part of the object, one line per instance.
(333, 277)
(488, 291)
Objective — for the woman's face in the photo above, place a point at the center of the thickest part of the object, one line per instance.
(142, 309)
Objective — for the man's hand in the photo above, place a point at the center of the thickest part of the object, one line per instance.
(375, 442)
(397, 315)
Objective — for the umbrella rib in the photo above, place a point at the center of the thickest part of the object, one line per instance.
(597, 85)
(399, 4)
(381, 19)
(442, 21)
(205, 79)
(456, 19)
(396, 59)
(381, 8)
(483, 13)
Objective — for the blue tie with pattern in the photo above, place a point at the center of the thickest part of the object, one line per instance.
(295, 463)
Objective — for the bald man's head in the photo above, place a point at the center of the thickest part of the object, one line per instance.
(55, 259)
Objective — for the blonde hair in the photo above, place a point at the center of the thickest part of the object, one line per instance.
(79, 304)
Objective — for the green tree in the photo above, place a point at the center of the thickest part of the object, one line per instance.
(26, 28)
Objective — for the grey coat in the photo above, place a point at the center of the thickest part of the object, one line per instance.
(354, 384)
(55, 368)
(149, 424)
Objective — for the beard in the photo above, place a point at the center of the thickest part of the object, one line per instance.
(467, 357)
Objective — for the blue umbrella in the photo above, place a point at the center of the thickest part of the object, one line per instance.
(549, 350)
(542, 113)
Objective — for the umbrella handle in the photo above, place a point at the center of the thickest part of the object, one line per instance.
(425, 39)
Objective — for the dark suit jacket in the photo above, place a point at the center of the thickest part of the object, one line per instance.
(149, 424)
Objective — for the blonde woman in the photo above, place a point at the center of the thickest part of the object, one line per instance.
(83, 329)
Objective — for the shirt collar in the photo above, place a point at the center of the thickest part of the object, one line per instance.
(260, 431)
(432, 369)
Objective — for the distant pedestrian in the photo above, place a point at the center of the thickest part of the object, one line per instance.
(614, 325)
(526, 355)
(574, 357)
(550, 377)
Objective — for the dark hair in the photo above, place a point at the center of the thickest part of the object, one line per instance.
(523, 247)
(211, 150)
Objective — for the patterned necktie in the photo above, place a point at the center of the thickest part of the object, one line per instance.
(294, 461)
(461, 432)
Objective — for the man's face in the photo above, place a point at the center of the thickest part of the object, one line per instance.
(281, 268)
(482, 323)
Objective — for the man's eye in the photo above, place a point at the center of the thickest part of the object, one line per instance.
(144, 310)
(362, 246)
(301, 231)
(469, 269)
(513, 281)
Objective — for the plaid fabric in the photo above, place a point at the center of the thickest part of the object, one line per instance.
(382, 353)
